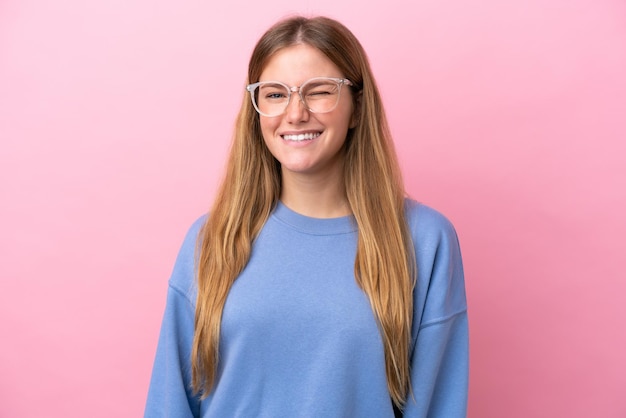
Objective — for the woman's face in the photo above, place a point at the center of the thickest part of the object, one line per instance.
(306, 143)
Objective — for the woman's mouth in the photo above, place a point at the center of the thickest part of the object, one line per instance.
(301, 137)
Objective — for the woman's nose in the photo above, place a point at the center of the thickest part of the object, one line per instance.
(296, 109)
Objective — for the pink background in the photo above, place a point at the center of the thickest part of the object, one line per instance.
(115, 116)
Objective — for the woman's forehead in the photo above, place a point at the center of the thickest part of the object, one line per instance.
(297, 63)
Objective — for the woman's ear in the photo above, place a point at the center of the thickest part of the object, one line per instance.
(356, 112)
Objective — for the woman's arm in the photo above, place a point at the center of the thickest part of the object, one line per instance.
(440, 357)
(170, 393)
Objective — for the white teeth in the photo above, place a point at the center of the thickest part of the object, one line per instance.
(301, 137)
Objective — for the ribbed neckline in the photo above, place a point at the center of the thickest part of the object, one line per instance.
(314, 226)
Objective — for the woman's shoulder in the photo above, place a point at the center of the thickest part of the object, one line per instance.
(426, 221)
(183, 274)
(193, 233)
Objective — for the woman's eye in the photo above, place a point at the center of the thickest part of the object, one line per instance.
(321, 90)
(276, 95)
(320, 93)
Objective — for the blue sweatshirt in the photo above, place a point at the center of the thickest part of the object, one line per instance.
(298, 336)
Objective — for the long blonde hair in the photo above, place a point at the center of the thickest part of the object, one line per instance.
(385, 263)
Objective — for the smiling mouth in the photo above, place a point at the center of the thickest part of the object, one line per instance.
(301, 137)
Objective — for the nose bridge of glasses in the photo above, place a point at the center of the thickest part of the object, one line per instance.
(300, 102)
(296, 89)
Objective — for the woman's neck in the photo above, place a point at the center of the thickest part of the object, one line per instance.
(315, 196)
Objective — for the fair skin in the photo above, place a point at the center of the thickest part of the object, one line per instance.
(312, 169)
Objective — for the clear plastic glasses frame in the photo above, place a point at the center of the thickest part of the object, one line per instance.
(318, 94)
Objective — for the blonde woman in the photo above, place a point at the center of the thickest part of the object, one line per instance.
(314, 287)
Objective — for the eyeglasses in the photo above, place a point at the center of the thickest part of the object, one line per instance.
(319, 95)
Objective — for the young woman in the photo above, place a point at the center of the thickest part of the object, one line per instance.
(315, 287)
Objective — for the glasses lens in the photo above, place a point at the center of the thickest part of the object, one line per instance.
(271, 98)
(321, 95)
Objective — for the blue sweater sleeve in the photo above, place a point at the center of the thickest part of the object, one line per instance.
(440, 357)
(170, 393)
